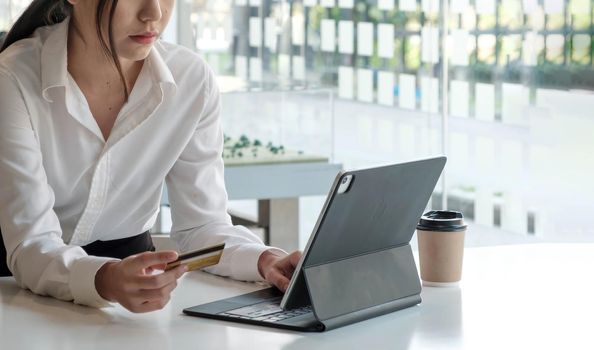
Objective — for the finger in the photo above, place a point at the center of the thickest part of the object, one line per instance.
(150, 306)
(294, 258)
(148, 259)
(278, 280)
(289, 263)
(160, 280)
(158, 267)
(287, 269)
(145, 295)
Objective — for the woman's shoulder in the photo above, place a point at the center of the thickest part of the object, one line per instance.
(22, 58)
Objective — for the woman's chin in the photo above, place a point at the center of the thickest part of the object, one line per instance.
(136, 53)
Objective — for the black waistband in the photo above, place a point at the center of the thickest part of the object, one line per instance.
(121, 248)
(117, 248)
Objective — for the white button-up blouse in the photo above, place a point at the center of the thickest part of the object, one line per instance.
(62, 185)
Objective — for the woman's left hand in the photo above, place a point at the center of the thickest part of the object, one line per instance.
(277, 269)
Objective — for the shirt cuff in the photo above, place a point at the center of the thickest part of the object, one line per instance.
(82, 281)
(245, 264)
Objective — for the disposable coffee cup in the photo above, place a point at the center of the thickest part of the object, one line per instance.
(441, 247)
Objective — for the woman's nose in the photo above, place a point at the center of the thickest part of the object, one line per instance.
(151, 11)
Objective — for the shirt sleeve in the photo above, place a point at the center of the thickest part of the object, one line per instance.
(36, 254)
(198, 199)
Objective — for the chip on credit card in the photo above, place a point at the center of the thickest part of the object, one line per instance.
(200, 258)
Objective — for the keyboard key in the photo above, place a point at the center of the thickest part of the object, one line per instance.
(266, 312)
(261, 318)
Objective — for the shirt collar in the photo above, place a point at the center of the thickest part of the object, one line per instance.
(54, 59)
(159, 68)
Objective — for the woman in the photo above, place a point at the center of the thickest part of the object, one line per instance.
(95, 113)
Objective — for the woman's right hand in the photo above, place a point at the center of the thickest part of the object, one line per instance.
(131, 282)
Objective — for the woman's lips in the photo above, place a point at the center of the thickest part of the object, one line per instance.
(147, 38)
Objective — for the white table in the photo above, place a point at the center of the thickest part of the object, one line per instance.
(511, 297)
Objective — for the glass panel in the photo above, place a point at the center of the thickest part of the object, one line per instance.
(518, 94)
(9, 12)
(517, 161)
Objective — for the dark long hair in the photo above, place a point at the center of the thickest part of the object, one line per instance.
(46, 12)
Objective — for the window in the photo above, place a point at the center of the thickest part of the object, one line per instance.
(517, 102)
(520, 83)
(9, 12)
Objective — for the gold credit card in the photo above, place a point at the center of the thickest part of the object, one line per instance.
(200, 258)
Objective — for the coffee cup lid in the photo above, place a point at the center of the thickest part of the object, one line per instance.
(442, 221)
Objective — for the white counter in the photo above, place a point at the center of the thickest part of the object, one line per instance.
(511, 297)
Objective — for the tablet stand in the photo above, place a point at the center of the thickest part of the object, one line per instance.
(362, 287)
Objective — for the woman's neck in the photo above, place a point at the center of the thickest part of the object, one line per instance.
(91, 67)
